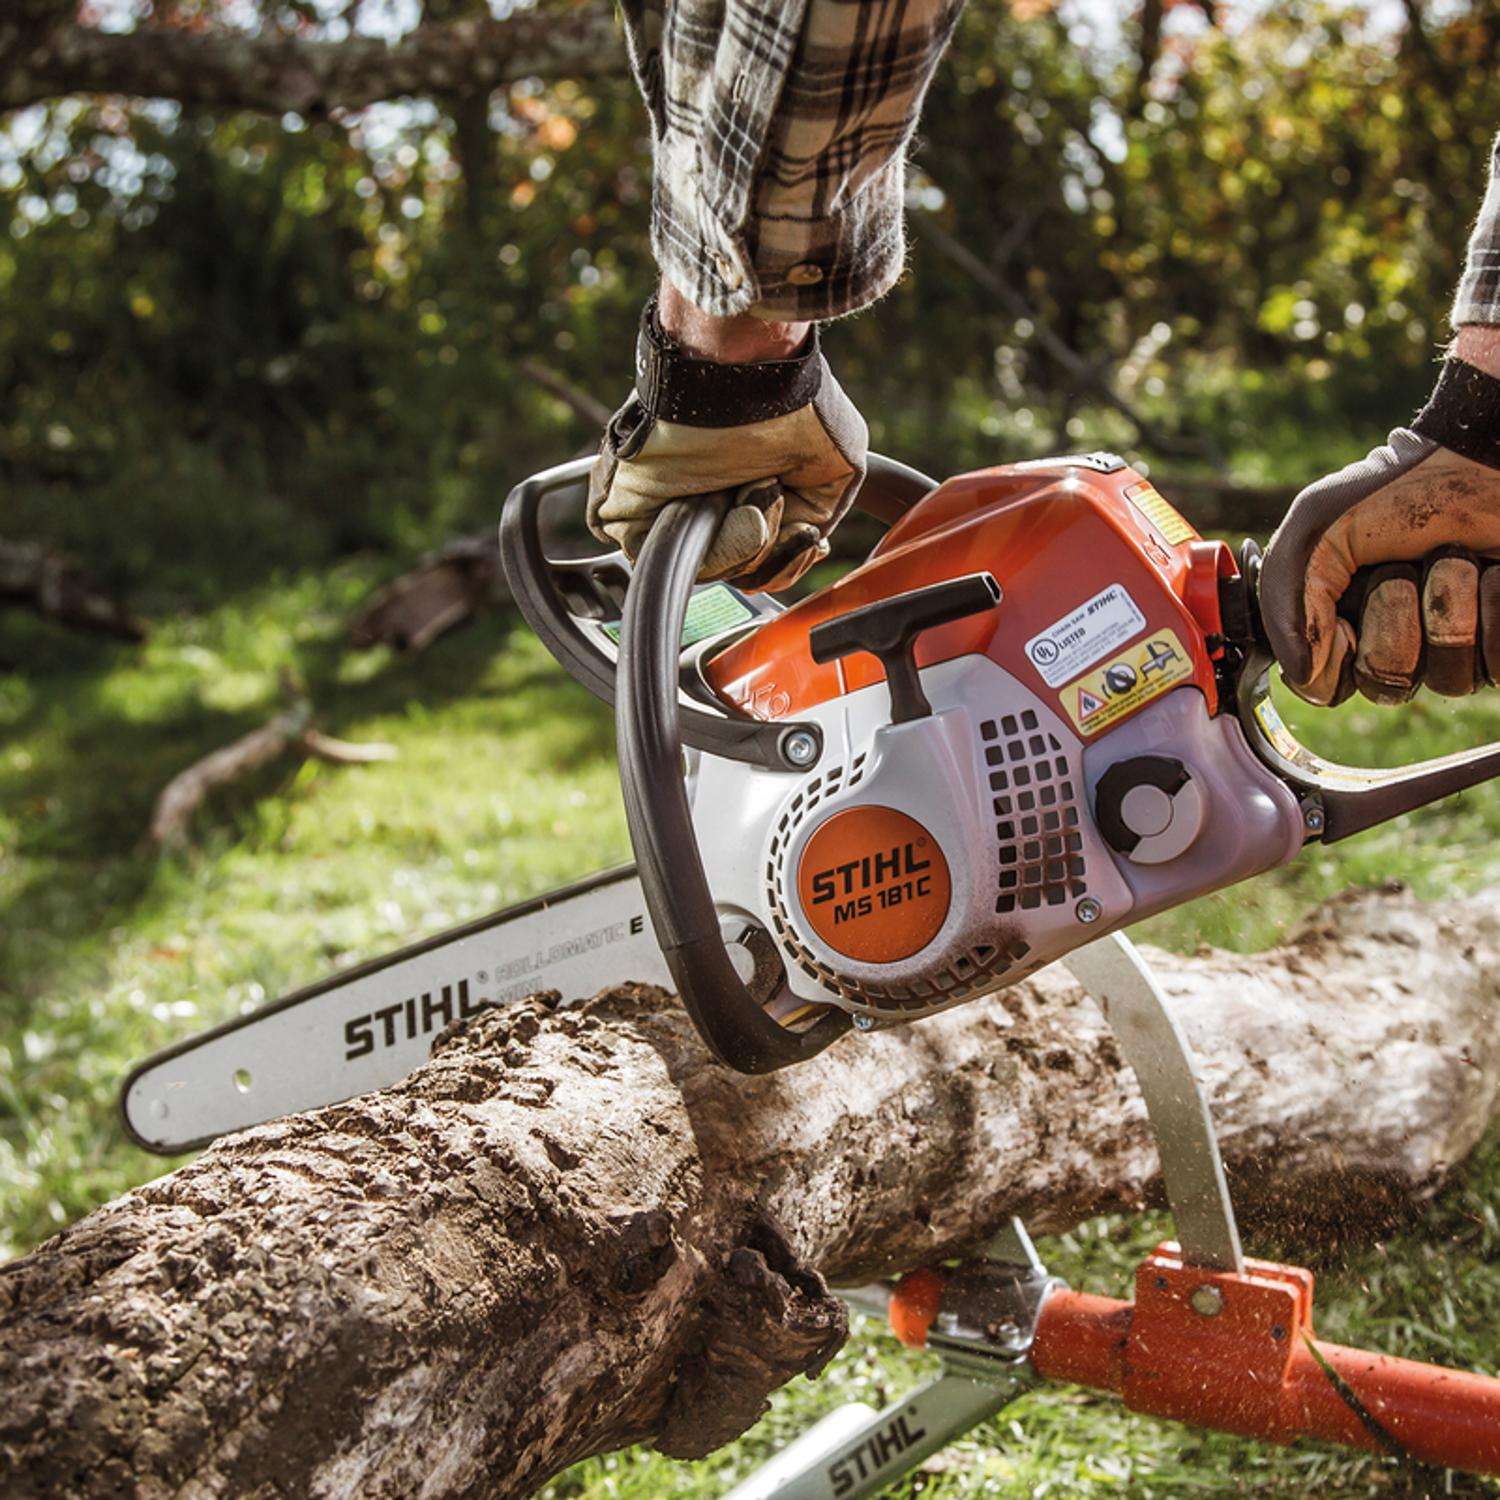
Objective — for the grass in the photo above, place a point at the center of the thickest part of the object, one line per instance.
(505, 786)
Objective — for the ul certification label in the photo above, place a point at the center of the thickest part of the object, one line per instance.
(1121, 686)
(1084, 635)
(873, 884)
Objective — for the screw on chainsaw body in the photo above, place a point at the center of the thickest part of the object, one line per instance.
(800, 748)
(1312, 818)
(864, 1023)
(1088, 910)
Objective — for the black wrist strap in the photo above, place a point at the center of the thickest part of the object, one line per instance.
(676, 386)
(1463, 413)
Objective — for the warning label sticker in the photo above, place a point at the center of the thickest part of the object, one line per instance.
(1275, 728)
(1119, 687)
(1083, 635)
(1160, 512)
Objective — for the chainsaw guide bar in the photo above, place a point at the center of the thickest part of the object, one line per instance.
(370, 1026)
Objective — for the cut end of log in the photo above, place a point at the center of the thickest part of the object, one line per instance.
(768, 1319)
(60, 589)
(442, 592)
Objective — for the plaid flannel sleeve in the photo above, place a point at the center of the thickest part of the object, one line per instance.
(1478, 299)
(780, 130)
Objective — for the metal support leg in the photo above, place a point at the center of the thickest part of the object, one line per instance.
(983, 1341)
(1116, 975)
(856, 1452)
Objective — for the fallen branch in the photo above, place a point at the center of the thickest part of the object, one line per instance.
(345, 752)
(570, 1231)
(446, 588)
(59, 589)
(290, 731)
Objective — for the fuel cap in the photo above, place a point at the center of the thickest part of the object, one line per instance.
(1149, 808)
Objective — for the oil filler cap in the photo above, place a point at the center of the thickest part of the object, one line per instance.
(1149, 808)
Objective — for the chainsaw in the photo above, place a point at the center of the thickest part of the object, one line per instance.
(1037, 713)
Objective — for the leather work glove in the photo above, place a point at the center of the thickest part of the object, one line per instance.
(1384, 576)
(779, 435)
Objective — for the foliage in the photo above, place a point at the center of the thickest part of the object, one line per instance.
(325, 323)
(1291, 195)
(300, 319)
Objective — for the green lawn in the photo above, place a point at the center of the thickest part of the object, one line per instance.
(505, 787)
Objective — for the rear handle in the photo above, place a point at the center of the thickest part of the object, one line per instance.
(1338, 800)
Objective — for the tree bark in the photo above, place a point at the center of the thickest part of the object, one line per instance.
(43, 56)
(569, 1231)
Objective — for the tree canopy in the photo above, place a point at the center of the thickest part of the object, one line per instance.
(340, 258)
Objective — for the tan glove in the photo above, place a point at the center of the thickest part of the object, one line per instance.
(780, 436)
(1379, 578)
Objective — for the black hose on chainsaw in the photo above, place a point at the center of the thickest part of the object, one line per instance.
(648, 729)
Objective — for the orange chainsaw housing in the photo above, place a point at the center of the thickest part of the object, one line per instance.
(1110, 528)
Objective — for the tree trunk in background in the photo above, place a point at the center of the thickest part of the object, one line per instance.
(43, 54)
(570, 1231)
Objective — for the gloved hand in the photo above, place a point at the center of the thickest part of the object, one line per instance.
(1421, 516)
(779, 435)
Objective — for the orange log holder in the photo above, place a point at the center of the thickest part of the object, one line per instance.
(1236, 1352)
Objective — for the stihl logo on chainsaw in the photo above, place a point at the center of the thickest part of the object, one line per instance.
(874, 1454)
(871, 875)
(874, 884)
(418, 1015)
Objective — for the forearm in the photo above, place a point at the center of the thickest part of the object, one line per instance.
(780, 135)
(1478, 344)
(740, 338)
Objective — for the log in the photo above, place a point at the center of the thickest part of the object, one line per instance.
(61, 589)
(446, 589)
(570, 1231)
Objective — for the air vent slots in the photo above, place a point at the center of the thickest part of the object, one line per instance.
(1036, 814)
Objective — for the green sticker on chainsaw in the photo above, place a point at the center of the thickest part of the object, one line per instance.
(1097, 699)
(710, 612)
